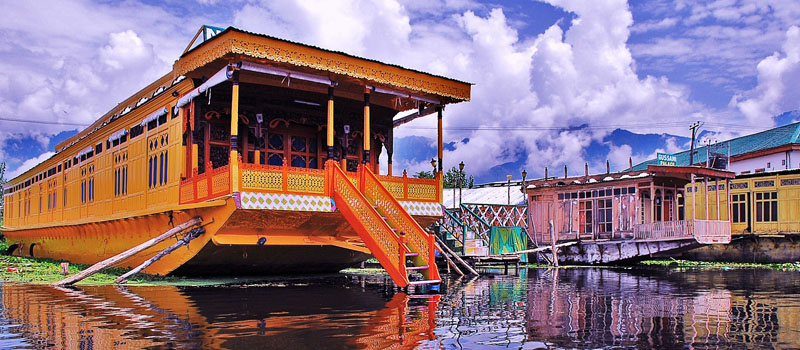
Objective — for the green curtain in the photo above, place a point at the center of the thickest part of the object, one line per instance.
(508, 240)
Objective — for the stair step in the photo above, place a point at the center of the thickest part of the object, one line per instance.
(416, 283)
(417, 267)
(412, 254)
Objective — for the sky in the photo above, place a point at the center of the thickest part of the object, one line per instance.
(557, 82)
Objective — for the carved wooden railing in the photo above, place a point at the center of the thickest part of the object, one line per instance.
(381, 240)
(282, 179)
(286, 179)
(412, 189)
(209, 185)
(418, 240)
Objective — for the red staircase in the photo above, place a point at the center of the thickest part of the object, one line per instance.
(391, 234)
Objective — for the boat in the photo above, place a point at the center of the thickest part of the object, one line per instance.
(273, 144)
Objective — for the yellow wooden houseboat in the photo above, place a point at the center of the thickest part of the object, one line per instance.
(289, 184)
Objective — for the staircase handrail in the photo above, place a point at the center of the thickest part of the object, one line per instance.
(417, 239)
(394, 258)
(481, 220)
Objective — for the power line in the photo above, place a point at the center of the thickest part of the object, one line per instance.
(41, 122)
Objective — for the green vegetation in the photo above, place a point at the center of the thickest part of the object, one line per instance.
(721, 265)
(45, 271)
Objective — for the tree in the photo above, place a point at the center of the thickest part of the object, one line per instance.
(424, 175)
(453, 176)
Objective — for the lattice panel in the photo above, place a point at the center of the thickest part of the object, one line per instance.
(422, 191)
(262, 180)
(373, 223)
(422, 208)
(202, 188)
(395, 188)
(187, 191)
(220, 182)
(417, 239)
(285, 201)
(310, 183)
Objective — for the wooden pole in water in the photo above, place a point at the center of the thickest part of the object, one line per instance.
(553, 244)
(128, 253)
(450, 262)
(458, 258)
(194, 233)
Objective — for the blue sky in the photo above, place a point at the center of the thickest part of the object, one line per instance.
(554, 79)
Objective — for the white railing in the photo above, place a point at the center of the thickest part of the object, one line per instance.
(704, 231)
(712, 231)
(662, 230)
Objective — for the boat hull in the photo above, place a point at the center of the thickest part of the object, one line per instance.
(235, 242)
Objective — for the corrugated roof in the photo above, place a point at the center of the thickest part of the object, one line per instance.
(776, 137)
(484, 195)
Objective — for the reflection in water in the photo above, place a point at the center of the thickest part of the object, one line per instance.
(568, 308)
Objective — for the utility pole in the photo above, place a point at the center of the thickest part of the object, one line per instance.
(694, 127)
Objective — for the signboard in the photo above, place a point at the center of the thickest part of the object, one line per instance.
(209, 31)
(667, 159)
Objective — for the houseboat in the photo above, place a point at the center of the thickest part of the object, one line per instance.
(626, 215)
(273, 144)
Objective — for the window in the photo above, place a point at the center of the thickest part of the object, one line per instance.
(120, 173)
(738, 208)
(604, 220)
(767, 206)
(585, 212)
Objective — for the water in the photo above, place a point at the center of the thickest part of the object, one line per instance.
(568, 308)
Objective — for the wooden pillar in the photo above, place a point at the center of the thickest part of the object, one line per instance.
(705, 187)
(675, 203)
(194, 160)
(366, 135)
(663, 204)
(330, 122)
(728, 197)
(716, 185)
(440, 147)
(652, 201)
(390, 150)
(694, 199)
(234, 161)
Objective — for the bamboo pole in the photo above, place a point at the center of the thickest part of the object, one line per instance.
(194, 233)
(450, 262)
(541, 249)
(128, 253)
(458, 258)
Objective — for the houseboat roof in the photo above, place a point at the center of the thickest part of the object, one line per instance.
(233, 43)
(782, 138)
(276, 50)
(679, 172)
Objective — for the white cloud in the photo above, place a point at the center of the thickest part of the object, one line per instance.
(71, 61)
(28, 164)
(654, 25)
(776, 91)
(585, 74)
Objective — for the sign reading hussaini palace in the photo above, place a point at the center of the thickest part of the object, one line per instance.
(667, 159)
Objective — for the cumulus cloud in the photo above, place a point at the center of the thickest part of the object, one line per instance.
(28, 164)
(777, 77)
(69, 62)
(546, 85)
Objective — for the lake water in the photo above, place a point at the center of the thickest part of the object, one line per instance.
(536, 309)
